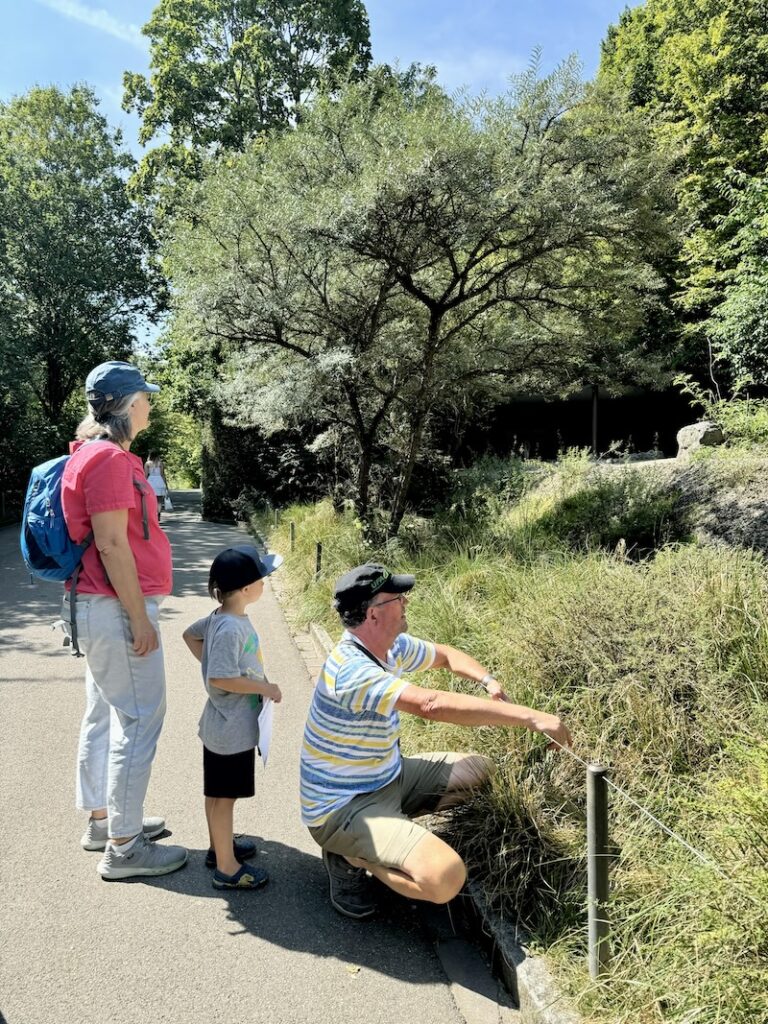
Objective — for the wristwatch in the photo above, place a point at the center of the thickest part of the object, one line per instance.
(487, 678)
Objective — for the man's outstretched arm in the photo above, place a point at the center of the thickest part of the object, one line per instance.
(461, 709)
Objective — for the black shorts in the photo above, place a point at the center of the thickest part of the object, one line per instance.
(229, 775)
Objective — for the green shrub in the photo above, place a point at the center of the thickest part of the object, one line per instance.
(743, 420)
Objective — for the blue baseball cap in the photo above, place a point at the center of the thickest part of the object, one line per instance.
(235, 568)
(114, 379)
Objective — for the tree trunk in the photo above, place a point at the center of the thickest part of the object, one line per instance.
(363, 483)
(421, 408)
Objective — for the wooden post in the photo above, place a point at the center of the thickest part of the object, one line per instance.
(318, 560)
(293, 535)
(598, 864)
(594, 419)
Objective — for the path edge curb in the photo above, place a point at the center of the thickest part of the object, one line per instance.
(526, 976)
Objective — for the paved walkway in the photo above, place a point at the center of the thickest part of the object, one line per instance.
(76, 949)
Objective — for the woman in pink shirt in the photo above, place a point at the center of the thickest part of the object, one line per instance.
(126, 572)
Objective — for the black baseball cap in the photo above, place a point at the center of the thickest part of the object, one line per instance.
(235, 568)
(365, 581)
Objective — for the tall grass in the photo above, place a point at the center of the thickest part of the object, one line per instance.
(660, 666)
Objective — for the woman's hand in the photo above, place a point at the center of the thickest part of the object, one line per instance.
(144, 636)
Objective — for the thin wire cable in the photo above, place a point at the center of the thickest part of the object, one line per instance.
(703, 857)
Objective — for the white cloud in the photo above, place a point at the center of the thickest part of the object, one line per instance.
(99, 19)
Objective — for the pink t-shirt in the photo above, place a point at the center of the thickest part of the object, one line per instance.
(102, 477)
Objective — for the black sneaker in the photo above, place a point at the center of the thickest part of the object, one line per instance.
(244, 849)
(350, 889)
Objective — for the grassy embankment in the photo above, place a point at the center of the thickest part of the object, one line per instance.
(657, 656)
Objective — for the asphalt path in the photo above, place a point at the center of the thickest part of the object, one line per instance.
(76, 949)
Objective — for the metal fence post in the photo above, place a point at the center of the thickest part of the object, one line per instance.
(293, 535)
(318, 559)
(598, 865)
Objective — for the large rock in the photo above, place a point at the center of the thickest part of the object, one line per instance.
(698, 435)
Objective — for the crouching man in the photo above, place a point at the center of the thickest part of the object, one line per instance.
(358, 794)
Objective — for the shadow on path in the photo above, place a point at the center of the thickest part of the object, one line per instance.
(293, 912)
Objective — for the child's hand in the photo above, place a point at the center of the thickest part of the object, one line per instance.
(274, 693)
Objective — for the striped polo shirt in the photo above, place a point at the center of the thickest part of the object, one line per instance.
(351, 739)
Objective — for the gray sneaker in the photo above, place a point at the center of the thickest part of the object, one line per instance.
(350, 889)
(96, 835)
(143, 858)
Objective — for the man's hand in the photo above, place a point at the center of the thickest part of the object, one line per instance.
(495, 692)
(144, 636)
(552, 727)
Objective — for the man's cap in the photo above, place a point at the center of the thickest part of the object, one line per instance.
(365, 581)
(235, 568)
(114, 379)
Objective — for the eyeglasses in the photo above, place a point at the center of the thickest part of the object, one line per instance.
(402, 598)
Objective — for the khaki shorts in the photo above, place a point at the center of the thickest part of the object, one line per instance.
(377, 827)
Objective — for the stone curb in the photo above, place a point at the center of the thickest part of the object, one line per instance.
(527, 977)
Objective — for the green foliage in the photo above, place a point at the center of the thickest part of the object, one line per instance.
(529, 508)
(175, 437)
(75, 265)
(481, 491)
(743, 420)
(224, 72)
(739, 327)
(401, 253)
(242, 472)
(660, 668)
(701, 68)
(625, 507)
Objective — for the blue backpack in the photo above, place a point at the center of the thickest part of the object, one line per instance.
(48, 550)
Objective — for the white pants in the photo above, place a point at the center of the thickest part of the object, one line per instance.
(125, 707)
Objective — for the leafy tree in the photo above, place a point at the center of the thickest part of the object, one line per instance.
(701, 68)
(76, 269)
(739, 326)
(224, 72)
(400, 252)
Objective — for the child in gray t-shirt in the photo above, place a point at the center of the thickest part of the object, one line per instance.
(227, 646)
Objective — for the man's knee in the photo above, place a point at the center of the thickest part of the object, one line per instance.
(437, 869)
(449, 881)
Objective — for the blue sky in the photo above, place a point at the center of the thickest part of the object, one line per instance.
(474, 43)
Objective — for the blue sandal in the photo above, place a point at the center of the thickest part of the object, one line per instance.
(248, 877)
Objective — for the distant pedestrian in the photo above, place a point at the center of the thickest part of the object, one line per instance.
(126, 573)
(228, 648)
(154, 470)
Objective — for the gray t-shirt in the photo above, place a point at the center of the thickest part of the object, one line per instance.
(229, 723)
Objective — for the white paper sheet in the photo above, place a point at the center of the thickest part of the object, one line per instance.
(265, 728)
